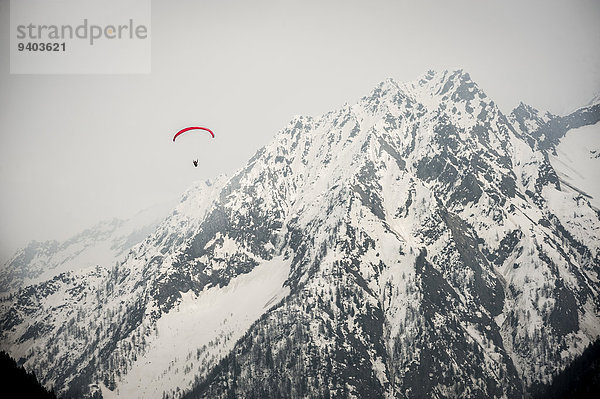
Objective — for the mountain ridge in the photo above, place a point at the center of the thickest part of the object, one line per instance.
(429, 255)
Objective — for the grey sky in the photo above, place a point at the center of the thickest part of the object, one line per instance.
(79, 148)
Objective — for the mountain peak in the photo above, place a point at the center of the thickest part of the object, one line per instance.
(442, 77)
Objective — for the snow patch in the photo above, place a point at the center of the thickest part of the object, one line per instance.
(577, 161)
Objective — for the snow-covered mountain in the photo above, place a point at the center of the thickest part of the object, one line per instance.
(418, 243)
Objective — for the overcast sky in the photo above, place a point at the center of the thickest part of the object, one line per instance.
(76, 149)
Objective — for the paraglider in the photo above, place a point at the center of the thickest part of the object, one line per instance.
(193, 128)
(195, 162)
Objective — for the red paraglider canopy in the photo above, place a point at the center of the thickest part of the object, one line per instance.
(193, 128)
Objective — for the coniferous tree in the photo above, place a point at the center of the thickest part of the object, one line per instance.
(18, 383)
(579, 380)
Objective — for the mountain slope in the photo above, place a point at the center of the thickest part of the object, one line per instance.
(577, 162)
(418, 243)
(437, 251)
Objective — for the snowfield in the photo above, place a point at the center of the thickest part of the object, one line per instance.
(577, 161)
(209, 324)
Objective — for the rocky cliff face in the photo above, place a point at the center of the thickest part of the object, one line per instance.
(418, 243)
